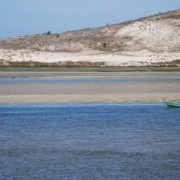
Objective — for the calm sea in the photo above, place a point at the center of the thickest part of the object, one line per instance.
(89, 141)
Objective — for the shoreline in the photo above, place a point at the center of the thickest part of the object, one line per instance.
(105, 69)
(119, 98)
(48, 87)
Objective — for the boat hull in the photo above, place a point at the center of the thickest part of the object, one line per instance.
(172, 104)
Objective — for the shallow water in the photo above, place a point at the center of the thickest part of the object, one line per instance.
(40, 78)
(89, 141)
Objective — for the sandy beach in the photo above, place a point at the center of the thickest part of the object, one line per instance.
(88, 87)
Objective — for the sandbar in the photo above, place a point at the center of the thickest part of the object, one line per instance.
(116, 87)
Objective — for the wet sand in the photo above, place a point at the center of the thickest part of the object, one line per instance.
(83, 87)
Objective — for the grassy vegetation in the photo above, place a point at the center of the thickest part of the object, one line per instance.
(84, 64)
(32, 64)
(93, 69)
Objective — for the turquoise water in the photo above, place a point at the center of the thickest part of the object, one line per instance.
(89, 141)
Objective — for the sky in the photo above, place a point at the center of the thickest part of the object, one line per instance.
(23, 17)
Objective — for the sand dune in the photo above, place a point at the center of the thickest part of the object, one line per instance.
(148, 41)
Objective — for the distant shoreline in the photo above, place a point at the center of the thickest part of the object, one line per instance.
(92, 69)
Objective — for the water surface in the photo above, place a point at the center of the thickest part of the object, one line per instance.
(39, 78)
(89, 141)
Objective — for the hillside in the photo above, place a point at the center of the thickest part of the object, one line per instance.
(153, 40)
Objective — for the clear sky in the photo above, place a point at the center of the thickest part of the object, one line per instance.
(21, 17)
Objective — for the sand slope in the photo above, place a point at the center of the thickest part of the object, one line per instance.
(153, 40)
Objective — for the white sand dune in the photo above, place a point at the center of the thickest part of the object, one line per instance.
(142, 42)
(136, 58)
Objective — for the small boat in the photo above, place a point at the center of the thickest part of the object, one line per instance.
(172, 104)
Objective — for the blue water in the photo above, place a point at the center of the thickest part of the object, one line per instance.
(89, 141)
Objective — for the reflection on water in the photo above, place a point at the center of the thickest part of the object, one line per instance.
(37, 78)
(89, 141)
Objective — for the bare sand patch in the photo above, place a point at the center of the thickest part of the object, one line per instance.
(134, 58)
(138, 97)
(85, 91)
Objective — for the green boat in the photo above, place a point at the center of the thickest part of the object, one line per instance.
(172, 104)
